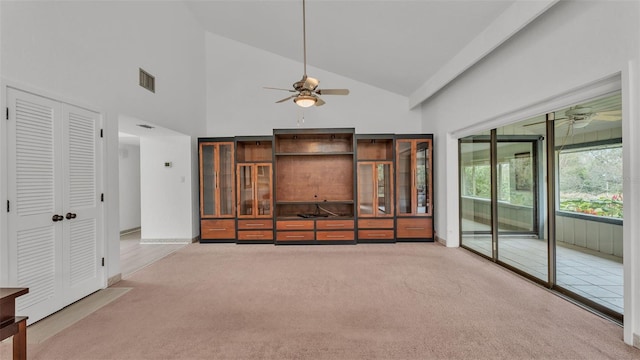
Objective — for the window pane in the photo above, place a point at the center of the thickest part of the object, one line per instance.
(590, 181)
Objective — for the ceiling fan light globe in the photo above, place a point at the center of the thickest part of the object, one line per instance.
(579, 124)
(305, 101)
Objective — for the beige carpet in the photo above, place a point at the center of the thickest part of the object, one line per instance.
(51, 325)
(379, 301)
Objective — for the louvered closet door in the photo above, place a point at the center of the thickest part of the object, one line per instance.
(52, 168)
(82, 225)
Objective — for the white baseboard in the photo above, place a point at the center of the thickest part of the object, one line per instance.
(114, 279)
(166, 241)
(127, 231)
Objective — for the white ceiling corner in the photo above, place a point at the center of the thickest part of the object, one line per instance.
(411, 48)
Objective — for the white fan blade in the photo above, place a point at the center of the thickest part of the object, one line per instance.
(272, 88)
(610, 112)
(606, 117)
(285, 99)
(332, 91)
(611, 115)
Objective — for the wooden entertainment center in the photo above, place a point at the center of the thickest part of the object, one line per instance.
(316, 186)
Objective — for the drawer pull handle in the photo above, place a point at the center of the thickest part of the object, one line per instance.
(415, 228)
(376, 235)
(217, 229)
(294, 236)
(255, 236)
(335, 225)
(254, 224)
(335, 236)
(294, 225)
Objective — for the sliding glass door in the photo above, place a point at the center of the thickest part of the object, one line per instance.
(588, 203)
(519, 242)
(503, 227)
(543, 197)
(475, 194)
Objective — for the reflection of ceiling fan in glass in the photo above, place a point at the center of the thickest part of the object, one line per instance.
(578, 117)
(307, 88)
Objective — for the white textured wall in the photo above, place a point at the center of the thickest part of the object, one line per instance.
(166, 195)
(89, 52)
(238, 105)
(129, 175)
(571, 45)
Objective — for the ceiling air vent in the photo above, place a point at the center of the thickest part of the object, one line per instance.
(147, 81)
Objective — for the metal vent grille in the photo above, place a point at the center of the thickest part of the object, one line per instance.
(147, 81)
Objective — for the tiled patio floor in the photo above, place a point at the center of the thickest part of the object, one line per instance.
(596, 277)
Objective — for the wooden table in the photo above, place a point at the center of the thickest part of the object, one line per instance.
(12, 325)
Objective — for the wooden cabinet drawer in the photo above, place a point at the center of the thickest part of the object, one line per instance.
(255, 235)
(335, 235)
(294, 235)
(375, 234)
(415, 228)
(255, 224)
(294, 225)
(334, 224)
(218, 229)
(375, 223)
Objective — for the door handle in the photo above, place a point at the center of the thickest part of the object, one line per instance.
(71, 216)
(57, 217)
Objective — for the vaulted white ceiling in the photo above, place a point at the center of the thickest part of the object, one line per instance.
(396, 45)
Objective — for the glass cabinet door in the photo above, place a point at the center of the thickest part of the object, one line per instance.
(375, 194)
(421, 177)
(225, 180)
(263, 190)
(365, 189)
(254, 190)
(384, 193)
(405, 178)
(207, 180)
(413, 161)
(217, 180)
(245, 190)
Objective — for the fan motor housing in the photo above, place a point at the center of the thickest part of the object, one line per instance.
(579, 112)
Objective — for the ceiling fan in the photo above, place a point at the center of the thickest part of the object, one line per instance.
(579, 117)
(306, 89)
